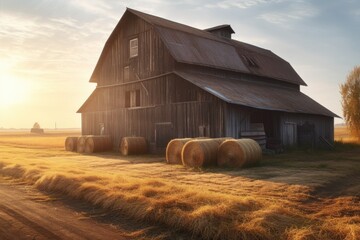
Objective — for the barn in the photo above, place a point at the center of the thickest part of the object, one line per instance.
(161, 80)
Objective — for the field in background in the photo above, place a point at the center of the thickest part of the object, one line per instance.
(297, 195)
(342, 134)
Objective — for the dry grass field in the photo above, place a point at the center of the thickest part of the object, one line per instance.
(295, 195)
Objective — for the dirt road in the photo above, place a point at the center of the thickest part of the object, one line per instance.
(28, 214)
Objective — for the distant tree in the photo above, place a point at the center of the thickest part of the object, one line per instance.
(350, 92)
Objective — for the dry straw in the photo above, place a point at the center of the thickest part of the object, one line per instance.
(173, 150)
(71, 144)
(238, 153)
(81, 144)
(97, 144)
(133, 145)
(201, 152)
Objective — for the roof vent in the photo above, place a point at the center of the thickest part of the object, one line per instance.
(221, 31)
(250, 61)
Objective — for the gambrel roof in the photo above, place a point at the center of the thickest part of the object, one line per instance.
(200, 47)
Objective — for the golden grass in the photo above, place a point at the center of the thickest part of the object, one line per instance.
(342, 134)
(273, 201)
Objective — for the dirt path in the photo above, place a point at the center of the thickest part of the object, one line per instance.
(27, 214)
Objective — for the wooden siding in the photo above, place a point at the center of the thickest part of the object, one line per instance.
(324, 126)
(153, 57)
(156, 91)
(185, 119)
(237, 119)
(162, 100)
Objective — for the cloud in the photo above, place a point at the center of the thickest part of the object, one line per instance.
(295, 12)
(242, 4)
(18, 28)
(93, 6)
(69, 22)
(104, 8)
(356, 13)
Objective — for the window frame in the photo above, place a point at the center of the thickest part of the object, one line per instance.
(132, 98)
(133, 50)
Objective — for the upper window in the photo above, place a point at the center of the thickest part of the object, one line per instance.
(132, 98)
(133, 47)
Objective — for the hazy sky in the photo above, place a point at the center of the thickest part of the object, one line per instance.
(48, 49)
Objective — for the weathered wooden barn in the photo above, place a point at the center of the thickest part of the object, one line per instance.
(161, 80)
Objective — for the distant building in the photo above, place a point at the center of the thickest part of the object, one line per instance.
(36, 128)
(161, 80)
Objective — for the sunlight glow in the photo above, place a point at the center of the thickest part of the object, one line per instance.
(13, 90)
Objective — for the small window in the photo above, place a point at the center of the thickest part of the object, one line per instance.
(126, 74)
(133, 47)
(132, 98)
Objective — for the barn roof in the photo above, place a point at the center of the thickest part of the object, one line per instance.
(256, 95)
(247, 93)
(200, 47)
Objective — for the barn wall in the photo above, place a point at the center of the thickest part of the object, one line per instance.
(184, 119)
(153, 58)
(323, 126)
(165, 101)
(237, 119)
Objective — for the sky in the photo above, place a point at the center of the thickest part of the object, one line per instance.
(49, 48)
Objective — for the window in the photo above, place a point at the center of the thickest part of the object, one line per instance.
(133, 47)
(126, 74)
(132, 98)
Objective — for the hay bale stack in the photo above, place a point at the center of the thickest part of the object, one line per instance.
(97, 144)
(173, 150)
(201, 152)
(71, 144)
(238, 153)
(133, 145)
(81, 144)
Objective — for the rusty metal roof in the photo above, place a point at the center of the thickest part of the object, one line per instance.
(256, 95)
(187, 48)
(200, 47)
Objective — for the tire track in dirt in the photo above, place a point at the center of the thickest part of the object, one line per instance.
(23, 218)
(33, 225)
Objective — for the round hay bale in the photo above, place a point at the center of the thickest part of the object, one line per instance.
(201, 152)
(97, 144)
(81, 144)
(237, 153)
(71, 144)
(173, 150)
(133, 145)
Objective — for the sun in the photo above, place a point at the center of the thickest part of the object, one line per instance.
(13, 90)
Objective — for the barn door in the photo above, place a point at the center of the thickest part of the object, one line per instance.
(163, 134)
(290, 134)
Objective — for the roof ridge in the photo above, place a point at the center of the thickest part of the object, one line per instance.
(207, 34)
(204, 32)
